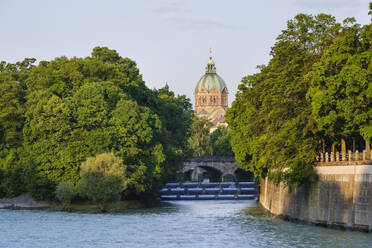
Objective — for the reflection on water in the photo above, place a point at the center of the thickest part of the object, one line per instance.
(174, 224)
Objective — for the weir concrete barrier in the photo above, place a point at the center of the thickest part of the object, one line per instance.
(209, 191)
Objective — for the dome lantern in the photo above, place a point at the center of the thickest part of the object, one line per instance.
(210, 79)
(211, 68)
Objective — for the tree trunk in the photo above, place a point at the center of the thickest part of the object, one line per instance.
(333, 148)
(343, 149)
(368, 146)
(343, 145)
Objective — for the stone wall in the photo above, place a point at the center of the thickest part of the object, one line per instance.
(341, 197)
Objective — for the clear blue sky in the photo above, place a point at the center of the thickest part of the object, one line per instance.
(169, 39)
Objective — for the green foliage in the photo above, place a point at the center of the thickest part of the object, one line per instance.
(340, 90)
(11, 182)
(11, 174)
(316, 86)
(11, 114)
(103, 178)
(60, 112)
(220, 139)
(200, 140)
(39, 186)
(65, 192)
(204, 142)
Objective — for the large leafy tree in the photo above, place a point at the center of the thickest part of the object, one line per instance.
(12, 111)
(340, 91)
(316, 87)
(62, 111)
(272, 127)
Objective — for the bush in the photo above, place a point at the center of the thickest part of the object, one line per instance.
(39, 186)
(65, 192)
(103, 178)
(11, 183)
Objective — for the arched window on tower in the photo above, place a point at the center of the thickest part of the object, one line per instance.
(214, 100)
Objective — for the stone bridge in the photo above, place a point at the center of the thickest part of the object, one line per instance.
(216, 169)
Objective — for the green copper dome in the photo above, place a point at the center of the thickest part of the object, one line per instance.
(210, 78)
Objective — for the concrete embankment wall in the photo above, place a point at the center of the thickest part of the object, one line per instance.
(342, 197)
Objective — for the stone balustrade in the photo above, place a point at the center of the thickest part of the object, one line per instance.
(344, 158)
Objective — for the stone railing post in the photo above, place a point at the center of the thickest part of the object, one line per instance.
(332, 157)
(356, 155)
(321, 157)
(350, 155)
(337, 156)
(364, 155)
(343, 156)
(326, 157)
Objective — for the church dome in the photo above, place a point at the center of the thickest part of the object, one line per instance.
(210, 79)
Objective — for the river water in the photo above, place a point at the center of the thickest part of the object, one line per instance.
(175, 224)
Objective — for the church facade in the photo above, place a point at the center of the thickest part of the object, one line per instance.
(211, 96)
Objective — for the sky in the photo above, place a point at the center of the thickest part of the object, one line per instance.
(168, 39)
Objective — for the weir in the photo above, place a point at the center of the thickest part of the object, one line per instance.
(209, 191)
(211, 178)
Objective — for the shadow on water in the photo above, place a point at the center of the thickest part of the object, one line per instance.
(273, 230)
(161, 208)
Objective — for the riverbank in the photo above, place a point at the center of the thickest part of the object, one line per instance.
(25, 201)
(341, 198)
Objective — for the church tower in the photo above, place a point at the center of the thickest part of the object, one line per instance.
(211, 95)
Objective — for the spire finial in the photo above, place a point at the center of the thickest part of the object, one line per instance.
(210, 66)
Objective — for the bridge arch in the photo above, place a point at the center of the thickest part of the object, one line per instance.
(213, 168)
(199, 173)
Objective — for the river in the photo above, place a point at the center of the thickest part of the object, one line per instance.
(175, 224)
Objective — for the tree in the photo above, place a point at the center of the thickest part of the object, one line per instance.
(340, 91)
(103, 178)
(200, 142)
(11, 138)
(135, 131)
(65, 192)
(175, 113)
(56, 114)
(220, 139)
(272, 127)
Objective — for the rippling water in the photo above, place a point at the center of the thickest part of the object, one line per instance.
(176, 224)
